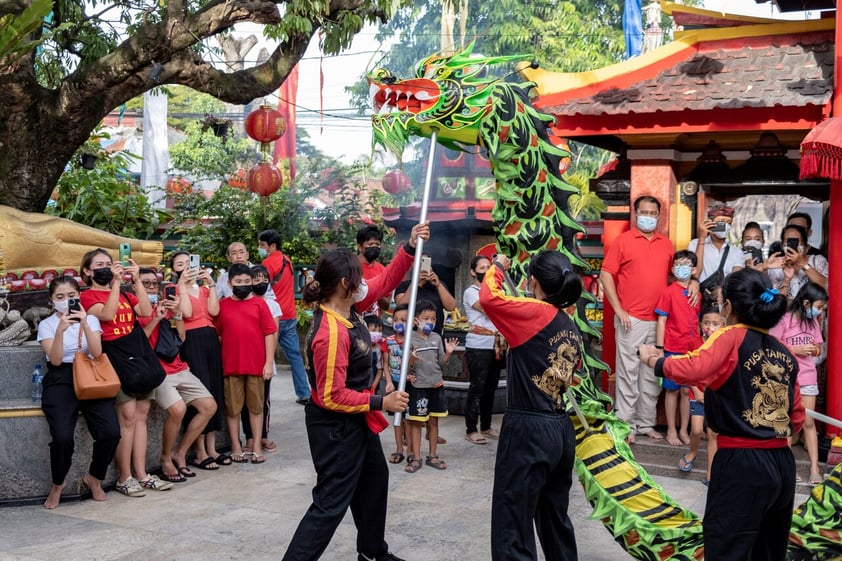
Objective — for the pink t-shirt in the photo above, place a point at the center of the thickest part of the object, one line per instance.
(792, 331)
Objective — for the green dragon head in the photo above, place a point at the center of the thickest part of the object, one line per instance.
(448, 95)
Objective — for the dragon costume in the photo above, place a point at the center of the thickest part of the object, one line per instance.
(454, 96)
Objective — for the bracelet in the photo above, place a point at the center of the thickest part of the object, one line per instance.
(178, 317)
(661, 347)
(806, 267)
(211, 285)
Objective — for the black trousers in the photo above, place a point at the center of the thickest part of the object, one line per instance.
(244, 414)
(484, 371)
(749, 504)
(532, 479)
(61, 408)
(351, 472)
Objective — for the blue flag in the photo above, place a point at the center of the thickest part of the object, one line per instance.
(633, 27)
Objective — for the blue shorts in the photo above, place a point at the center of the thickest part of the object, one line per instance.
(697, 408)
(666, 383)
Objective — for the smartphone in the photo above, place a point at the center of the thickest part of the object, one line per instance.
(169, 292)
(718, 227)
(426, 264)
(793, 243)
(195, 261)
(73, 305)
(125, 253)
(753, 253)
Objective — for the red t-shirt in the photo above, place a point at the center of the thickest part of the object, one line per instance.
(640, 268)
(123, 322)
(681, 333)
(173, 367)
(242, 326)
(284, 292)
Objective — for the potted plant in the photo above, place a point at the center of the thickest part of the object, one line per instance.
(218, 125)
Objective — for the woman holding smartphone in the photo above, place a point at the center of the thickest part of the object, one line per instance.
(201, 350)
(798, 268)
(69, 328)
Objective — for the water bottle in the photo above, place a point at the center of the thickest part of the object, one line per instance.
(37, 384)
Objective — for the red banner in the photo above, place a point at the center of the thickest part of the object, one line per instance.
(287, 95)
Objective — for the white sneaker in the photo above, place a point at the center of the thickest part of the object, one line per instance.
(156, 484)
(130, 487)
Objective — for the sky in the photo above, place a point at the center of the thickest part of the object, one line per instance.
(334, 127)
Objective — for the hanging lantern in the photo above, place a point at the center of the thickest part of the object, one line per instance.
(178, 185)
(396, 182)
(265, 124)
(238, 179)
(264, 179)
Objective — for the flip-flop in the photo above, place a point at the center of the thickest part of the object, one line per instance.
(686, 465)
(257, 459)
(240, 458)
(223, 459)
(205, 464)
(184, 470)
(815, 479)
(396, 458)
(173, 478)
(475, 438)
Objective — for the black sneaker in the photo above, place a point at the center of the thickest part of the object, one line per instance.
(385, 557)
(302, 400)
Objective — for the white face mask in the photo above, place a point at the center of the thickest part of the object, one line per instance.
(361, 292)
(754, 244)
(60, 306)
(724, 233)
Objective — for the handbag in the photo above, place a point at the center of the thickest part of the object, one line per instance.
(93, 378)
(135, 362)
(168, 344)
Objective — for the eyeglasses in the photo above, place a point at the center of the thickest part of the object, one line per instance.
(150, 284)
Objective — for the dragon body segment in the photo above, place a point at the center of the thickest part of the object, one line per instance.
(454, 96)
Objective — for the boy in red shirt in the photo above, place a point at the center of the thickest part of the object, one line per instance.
(247, 335)
(678, 333)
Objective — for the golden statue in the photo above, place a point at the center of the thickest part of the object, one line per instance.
(31, 240)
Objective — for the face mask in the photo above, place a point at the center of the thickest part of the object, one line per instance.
(260, 288)
(241, 291)
(376, 337)
(479, 277)
(708, 331)
(723, 234)
(153, 298)
(682, 272)
(102, 276)
(262, 252)
(813, 313)
(361, 292)
(371, 253)
(399, 327)
(428, 327)
(754, 244)
(60, 306)
(647, 223)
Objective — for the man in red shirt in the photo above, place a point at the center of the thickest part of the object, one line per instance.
(281, 277)
(634, 274)
(369, 243)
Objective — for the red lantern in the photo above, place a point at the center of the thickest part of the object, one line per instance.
(396, 182)
(238, 179)
(178, 185)
(264, 179)
(265, 124)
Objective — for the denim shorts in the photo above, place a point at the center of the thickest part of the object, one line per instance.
(697, 408)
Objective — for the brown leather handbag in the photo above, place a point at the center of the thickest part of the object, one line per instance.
(93, 378)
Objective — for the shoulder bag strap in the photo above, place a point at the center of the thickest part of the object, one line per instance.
(277, 277)
(721, 267)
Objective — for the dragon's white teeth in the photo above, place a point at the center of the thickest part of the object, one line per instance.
(373, 89)
(386, 109)
(388, 92)
(422, 95)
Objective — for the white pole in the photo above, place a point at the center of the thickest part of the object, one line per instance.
(416, 273)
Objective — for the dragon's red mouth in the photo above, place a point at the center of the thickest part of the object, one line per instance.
(412, 96)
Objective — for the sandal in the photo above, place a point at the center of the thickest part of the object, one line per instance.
(491, 433)
(413, 465)
(258, 458)
(475, 438)
(396, 458)
(223, 459)
(269, 446)
(240, 458)
(435, 462)
(686, 465)
(816, 479)
(208, 463)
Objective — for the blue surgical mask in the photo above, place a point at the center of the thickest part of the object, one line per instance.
(262, 252)
(682, 272)
(399, 327)
(812, 313)
(647, 223)
(428, 327)
(153, 298)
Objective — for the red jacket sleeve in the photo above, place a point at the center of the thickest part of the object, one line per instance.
(387, 281)
(331, 346)
(517, 318)
(710, 365)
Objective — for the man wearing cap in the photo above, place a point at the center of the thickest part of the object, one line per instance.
(716, 250)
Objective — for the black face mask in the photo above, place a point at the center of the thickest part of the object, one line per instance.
(102, 276)
(371, 253)
(260, 288)
(241, 291)
(479, 276)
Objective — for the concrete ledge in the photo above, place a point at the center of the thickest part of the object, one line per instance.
(457, 395)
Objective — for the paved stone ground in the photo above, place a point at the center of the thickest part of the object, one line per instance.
(250, 511)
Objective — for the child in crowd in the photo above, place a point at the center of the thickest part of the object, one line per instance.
(247, 334)
(711, 321)
(800, 330)
(427, 401)
(678, 333)
(375, 330)
(260, 287)
(392, 364)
